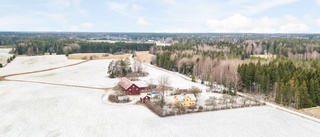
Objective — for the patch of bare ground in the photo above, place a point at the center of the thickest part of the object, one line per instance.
(90, 56)
(315, 112)
(143, 56)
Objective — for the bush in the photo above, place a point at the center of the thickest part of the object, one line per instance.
(194, 90)
(113, 98)
(1, 65)
(200, 108)
(84, 58)
(155, 108)
(193, 79)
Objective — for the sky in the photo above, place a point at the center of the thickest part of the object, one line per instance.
(182, 16)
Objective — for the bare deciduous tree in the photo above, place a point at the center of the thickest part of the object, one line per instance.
(164, 83)
(244, 100)
(225, 99)
(212, 101)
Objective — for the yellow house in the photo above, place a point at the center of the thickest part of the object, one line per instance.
(185, 100)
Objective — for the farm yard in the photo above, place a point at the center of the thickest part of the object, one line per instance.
(32, 109)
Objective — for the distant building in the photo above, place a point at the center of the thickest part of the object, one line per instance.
(186, 100)
(133, 87)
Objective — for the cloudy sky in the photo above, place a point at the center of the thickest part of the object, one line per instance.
(254, 16)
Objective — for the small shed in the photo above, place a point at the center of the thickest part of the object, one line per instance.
(144, 97)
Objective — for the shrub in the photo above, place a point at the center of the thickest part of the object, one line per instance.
(194, 90)
(113, 98)
(200, 108)
(84, 58)
(1, 65)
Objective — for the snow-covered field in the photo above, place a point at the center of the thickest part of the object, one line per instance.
(34, 63)
(94, 74)
(30, 109)
(91, 74)
(45, 110)
(176, 80)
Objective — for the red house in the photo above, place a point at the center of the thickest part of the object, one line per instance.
(132, 88)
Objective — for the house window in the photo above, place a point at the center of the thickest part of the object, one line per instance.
(187, 100)
(136, 88)
(189, 103)
(184, 104)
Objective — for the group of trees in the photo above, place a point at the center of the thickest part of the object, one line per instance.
(39, 46)
(289, 84)
(119, 68)
(123, 68)
(8, 60)
(105, 47)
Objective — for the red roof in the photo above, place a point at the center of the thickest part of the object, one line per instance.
(125, 83)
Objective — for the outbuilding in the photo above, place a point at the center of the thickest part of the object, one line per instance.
(144, 97)
(132, 88)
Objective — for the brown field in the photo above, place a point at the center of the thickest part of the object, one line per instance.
(86, 56)
(143, 56)
(312, 111)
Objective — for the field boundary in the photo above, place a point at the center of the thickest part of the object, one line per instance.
(56, 84)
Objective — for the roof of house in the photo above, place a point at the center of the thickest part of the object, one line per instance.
(142, 95)
(181, 97)
(140, 84)
(125, 83)
(191, 96)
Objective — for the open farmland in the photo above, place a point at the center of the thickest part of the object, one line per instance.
(46, 110)
(33, 109)
(91, 74)
(36, 63)
(94, 74)
(312, 111)
(143, 56)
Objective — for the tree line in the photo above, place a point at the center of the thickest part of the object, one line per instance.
(105, 47)
(283, 80)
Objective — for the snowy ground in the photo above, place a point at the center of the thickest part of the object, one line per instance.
(34, 63)
(29, 109)
(94, 74)
(177, 81)
(44, 110)
(4, 55)
(91, 74)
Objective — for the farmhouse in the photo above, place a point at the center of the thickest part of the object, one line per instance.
(185, 100)
(133, 87)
